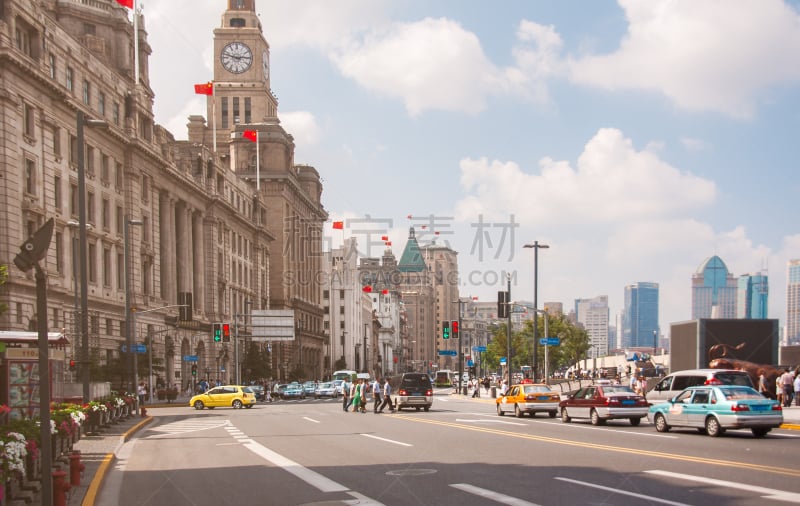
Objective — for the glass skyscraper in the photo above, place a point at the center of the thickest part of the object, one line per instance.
(640, 317)
(792, 334)
(753, 296)
(714, 291)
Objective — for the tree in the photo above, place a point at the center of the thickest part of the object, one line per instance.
(498, 348)
(574, 342)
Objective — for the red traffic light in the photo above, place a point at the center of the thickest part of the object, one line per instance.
(72, 364)
(226, 330)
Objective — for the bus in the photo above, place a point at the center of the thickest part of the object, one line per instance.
(350, 376)
(444, 378)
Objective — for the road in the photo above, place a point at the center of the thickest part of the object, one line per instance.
(459, 453)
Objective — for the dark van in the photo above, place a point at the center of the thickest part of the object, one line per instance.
(413, 390)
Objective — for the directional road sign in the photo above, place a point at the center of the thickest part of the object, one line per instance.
(503, 360)
(479, 349)
(449, 353)
(136, 348)
(550, 341)
(190, 358)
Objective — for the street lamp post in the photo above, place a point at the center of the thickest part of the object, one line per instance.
(84, 359)
(655, 343)
(536, 247)
(129, 315)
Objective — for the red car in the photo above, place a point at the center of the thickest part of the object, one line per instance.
(599, 403)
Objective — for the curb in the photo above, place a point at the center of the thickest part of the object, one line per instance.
(97, 481)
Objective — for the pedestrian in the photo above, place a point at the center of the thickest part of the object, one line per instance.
(762, 384)
(486, 384)
(376, 395)
(345, 395)
(477, 388)
(142, 392)
(363, 394)
(503, 387)
(387, 397)
(787, 383)
(355, 395)
(796, 389)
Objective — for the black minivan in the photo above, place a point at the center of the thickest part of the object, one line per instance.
(413, 390)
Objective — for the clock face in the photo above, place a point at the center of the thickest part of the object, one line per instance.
(236, 57)
(265, 64)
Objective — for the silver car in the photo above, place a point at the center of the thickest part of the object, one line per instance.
(326, 390)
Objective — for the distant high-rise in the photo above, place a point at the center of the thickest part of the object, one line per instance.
(640, 319)
(792, 334)
(713, 290)
(593, 315)
(753, 296)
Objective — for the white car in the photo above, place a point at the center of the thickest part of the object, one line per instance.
(326, 390)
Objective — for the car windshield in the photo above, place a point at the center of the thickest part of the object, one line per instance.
(732, 394)
(247, 390)
(734, 378)
(617, 389)
(537, 389)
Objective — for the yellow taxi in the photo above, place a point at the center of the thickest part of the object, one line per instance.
(528, 398)
(235, 396)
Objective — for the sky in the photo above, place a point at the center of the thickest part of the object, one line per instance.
(635, 138)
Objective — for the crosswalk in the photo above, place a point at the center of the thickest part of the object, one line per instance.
(184, 426)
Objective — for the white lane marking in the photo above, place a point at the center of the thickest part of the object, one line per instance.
(184, 426)
(310, 419)
(610, 429)
(387, 440)
(491, 495)
(623, 492)
(490, 421)
(321, 483)
(766, 493)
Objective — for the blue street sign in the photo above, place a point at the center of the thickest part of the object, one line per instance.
(470, 363)
(479, 349)
(190, 358)
(503, 360)
(550, 341)
(449, 353)
(139, 348)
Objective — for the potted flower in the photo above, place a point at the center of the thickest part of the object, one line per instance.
(12, 457)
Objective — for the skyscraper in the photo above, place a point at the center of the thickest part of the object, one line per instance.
(593, 315)
(753, 296)
(640, 320)
(713, 290)
(792, 334)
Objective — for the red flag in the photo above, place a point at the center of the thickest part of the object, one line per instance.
(409, 216)
(474, 298)
(385, 291)
(424, 227)
(384, 238)
(250, 134)
(338, 225)
(388, 243)
(126, 3)
(367, 289)
(203, 89)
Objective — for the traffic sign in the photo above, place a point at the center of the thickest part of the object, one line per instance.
(449, 353)
(470, 363)
(479, 349)
(550, 341)
(503, 360)
(136, 348)
(190, 358)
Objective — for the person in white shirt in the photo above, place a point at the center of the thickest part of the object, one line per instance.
(387, 397)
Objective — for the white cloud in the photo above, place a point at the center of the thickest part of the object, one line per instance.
(692, 144)
(429, 64)
(177, 123)
(613, 182)
(303, 127)
(714, 55)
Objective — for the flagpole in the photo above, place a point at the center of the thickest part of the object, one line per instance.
(214, 115)
(258, 164)
(136, 42)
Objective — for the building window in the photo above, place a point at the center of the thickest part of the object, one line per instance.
(73, 200)
(224, 104)
(70, 79)
(107, 267)
(120, 271)
(30, 176)
(118, 176)
(26, 38)
(120, 221)
(247, 113)
(86, 92)
(146, 229)
(92, 261)
(145, 188)
(89, 161)
(52, 65)
(115, 113)
(90, 207)
(73, 150)
(28, 120)
(57, 193)
(101, 103)
(105, 219)
(109, 327)
(57, 142)
(147, 285)
(89, 29)
(236, 118)
(105, 162)
(59, 252)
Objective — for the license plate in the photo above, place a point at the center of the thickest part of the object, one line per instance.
(543, 398)
(759, 408)
(628, 402)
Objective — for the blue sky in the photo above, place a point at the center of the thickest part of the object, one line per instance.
(636, 137)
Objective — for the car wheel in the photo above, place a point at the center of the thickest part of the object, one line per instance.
(564, 416)
(596, 420)
(237, 404)
(518, 412)
(211, 407)
(198, 405)
(500, 411)
(661, 423)
(249, 406)
(636, 421)
(417, 408)
(427, 408)
(760, 431)
(552, 414)
(713, 428)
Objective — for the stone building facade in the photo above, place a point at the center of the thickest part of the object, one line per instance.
(202, 232)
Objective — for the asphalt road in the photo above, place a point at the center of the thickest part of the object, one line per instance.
(459, 453)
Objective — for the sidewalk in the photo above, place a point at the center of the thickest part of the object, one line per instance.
(97, 454)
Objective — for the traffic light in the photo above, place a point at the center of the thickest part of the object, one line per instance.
(72, 364)
(217, 332)
(194, 370)
(454, 329)
(226, 332)
(502, 304)
(445, 330)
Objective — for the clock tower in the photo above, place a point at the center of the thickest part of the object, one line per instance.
(241, 71)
